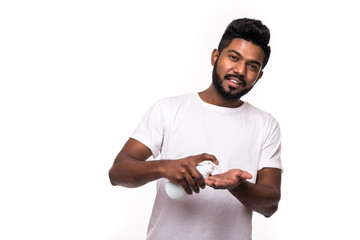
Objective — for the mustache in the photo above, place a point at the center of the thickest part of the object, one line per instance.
(239, 77)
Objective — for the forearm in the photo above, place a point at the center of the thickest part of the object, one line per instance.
(259, 198)
(130, 168)
(130, 172)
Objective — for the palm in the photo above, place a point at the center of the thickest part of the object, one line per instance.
(227, 180)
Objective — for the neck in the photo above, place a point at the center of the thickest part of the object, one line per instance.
(212, 96)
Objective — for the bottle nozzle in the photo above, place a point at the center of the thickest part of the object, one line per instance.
(207, 167)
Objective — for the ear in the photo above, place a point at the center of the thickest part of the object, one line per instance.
(259, 76)
(214, 56)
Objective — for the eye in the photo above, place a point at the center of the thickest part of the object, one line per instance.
(253, 67)
(233, 57)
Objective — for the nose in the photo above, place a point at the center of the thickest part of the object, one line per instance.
(240, 68)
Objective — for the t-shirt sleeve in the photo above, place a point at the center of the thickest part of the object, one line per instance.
(271, 147)
(150, 130)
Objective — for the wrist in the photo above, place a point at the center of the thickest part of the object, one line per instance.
(161, 168)
(240, 186)
(154, 168)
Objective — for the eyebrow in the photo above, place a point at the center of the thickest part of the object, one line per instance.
(237, 53)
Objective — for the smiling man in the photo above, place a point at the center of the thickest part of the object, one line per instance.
(214, 125)
(240, 65)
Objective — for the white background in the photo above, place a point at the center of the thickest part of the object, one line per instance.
(77, 76)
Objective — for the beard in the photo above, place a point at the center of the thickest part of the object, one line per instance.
(216, 80)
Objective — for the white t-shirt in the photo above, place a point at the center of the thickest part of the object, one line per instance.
(245, 138)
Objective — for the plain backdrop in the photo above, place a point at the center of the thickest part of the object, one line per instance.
(77, 76)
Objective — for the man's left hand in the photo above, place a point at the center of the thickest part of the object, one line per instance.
(227, 180)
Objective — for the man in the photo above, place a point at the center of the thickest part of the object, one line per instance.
(213, 125)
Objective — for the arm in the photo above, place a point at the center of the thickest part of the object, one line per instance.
(262, 197)
(130, 168)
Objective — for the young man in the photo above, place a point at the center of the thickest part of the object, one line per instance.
(213, 125)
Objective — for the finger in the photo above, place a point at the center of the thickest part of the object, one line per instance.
(212, 182)
(192, 182)
(245, 175)
(214, 187)
(209, 182)
(219, 182)
(198, 178)
(206, 156)
(219, 185)
(186, 187)
(201, 182)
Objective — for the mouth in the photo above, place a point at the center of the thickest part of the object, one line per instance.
(235, 81)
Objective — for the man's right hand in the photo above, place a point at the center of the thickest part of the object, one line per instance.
(183, 171)
(130, 168)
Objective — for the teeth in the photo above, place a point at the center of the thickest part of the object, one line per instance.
(232, 80)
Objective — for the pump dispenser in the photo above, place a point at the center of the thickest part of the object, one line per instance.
(177, 192)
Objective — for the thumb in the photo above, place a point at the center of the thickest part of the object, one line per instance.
(245, 175)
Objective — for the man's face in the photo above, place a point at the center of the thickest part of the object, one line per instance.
(237, 68)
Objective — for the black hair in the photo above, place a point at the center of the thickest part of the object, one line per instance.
(251, 30)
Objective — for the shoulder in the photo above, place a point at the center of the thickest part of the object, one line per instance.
(170, 106)
(259, 114)
(176, 101)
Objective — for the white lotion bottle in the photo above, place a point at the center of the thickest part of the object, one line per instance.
(177, 192)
